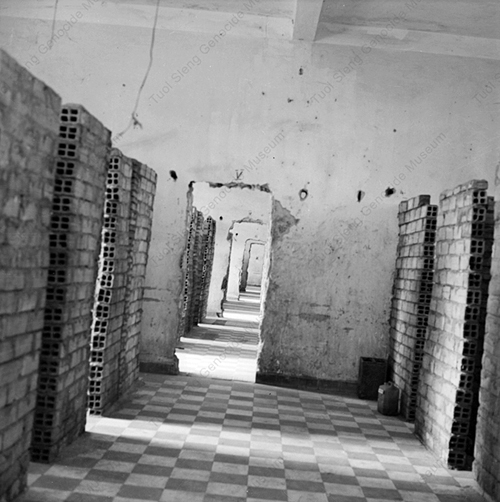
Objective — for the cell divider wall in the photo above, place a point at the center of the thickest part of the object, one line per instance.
(197, 268)
(449, 384)
(186, 322)
(411, 297)
(207, 263)
(29, 124)
(114, 355)
(76, 223)
(111, 286)
(144, 180)
(487, 448)
(198, 259)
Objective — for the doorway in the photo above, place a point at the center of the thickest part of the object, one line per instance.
(254, 266)
(252, 272)
(226, 279)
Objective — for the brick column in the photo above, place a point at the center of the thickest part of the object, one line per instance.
(186, 298)
(200, 242)
(208, 258)
(449, 384)
(29, 122)
(77, 216)
(144, 181)
(411, 297)
(487, 449)
(189, 266)
(111, 287)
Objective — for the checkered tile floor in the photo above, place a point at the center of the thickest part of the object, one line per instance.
(187, 439)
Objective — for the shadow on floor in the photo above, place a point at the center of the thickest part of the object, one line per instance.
(185, 439)
(224, 348)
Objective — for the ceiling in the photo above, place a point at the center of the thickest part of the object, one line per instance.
(471, 18)
(469, 28)
(273, 8)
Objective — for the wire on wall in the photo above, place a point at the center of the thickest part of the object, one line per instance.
(134, 121)
(54, 20)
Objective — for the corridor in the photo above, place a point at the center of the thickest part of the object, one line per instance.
(187, 439)
(224, 347)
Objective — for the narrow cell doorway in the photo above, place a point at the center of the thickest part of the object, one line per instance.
(221, 309)
(252, 271)
(238, 304)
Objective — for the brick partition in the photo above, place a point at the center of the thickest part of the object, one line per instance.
(111, 287)
(126, 234)
(189, 266)
(411, 297)
(29, 123)
(207, 264)
(198, 260)
(487, 450)
(76, 223)
(144, 180)
(449, 382)
(197, 269)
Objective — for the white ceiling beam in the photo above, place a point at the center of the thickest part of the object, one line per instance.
(247, 24)
(306, 19)
(367, 38)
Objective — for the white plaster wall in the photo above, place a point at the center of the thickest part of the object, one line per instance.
(331, 273)
(241, 233)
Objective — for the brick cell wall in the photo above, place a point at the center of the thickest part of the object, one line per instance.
(187, 298)
(76, 223)
(208, 259)
(29, 122)
(144, 181)
(111, 287)
(200, 243)
(198, 260)
(487, 450)
(449, 383)
(411, 297)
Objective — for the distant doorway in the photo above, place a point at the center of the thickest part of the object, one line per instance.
(253, 263)
(222, 340)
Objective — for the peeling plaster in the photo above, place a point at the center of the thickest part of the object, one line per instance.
(233, 184)
(283, 221)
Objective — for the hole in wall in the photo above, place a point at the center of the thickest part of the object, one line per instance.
(303, 194)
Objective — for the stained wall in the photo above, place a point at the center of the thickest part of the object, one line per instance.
(329, 119)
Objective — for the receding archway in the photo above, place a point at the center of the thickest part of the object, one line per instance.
(243, 235)
(224, 335)
(253, 264)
